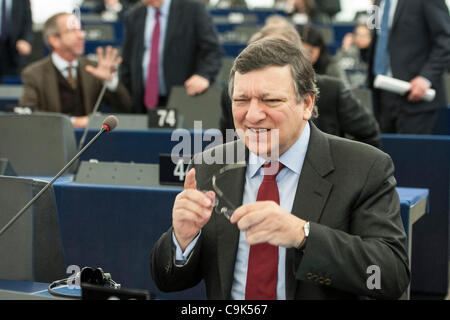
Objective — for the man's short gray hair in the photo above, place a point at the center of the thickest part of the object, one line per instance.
(51, 27)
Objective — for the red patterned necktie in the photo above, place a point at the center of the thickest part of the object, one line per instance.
(262, 270)
(151, 87)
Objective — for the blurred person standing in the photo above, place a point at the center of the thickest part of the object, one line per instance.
(306, 11)
(412, 44)
(228, 4)
(168, 43)
(323, 63)
(16, 35)
(354, 52)
(112, 10)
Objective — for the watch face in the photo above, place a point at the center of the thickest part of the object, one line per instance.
(306, 229)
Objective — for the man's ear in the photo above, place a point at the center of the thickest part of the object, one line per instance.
(308, 106)
(53, 41)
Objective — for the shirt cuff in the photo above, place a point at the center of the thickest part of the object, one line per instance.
(112, 84)
(426, 80)
(180, 256)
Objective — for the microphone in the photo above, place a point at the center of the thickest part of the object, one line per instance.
(108, 125)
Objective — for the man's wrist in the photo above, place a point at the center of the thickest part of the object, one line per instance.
(306, 228)
(113, 82)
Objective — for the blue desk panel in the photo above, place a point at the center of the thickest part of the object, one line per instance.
(409, 197)
(423, 161)
(139, 146)
(116, 227)
(36, 288)
(442, 125)
(23, 286)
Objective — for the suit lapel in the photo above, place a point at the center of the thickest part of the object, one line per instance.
(51, 81)
(398, 12)
(227, 233)
(311, 195)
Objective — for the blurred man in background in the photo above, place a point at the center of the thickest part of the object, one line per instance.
(67, 82)
(168, 43)
(413, 45)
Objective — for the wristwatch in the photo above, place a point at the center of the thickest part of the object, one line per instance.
(306, 228)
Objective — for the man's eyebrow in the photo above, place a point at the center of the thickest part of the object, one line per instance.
(272, 95)
(240, 96)
(261, 96)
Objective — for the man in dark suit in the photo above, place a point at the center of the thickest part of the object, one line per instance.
(412, 44)
(326, 208)
(16, 34)
(67, 82)
(188, 52)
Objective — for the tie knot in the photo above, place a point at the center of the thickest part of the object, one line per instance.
(157, 14)
(271, 169)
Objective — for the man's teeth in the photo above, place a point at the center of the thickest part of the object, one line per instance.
(258, 130)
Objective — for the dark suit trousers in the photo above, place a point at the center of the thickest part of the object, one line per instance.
(393, 119)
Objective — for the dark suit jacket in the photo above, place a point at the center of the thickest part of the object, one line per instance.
(419, 44)
(19, 27)
(347, 192)
(191, 47)
(40, 88)
(339, 112)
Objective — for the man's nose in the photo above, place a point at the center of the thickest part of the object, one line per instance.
(255, 111)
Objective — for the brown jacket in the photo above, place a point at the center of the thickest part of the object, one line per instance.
(40, 88)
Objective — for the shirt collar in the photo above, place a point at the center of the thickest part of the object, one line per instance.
(62, 64)
(293, 158)
(163, 9)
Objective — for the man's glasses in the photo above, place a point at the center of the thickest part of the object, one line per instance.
(222, 204)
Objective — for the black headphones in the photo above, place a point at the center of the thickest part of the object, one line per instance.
(86, 275)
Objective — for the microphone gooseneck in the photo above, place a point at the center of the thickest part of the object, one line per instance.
(107, 126)
(94, 111)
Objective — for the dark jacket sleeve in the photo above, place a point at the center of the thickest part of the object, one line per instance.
(27, 23)
(209, 58)
(376, 239)
(119, 100)
(166, 274)
(438, 23)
